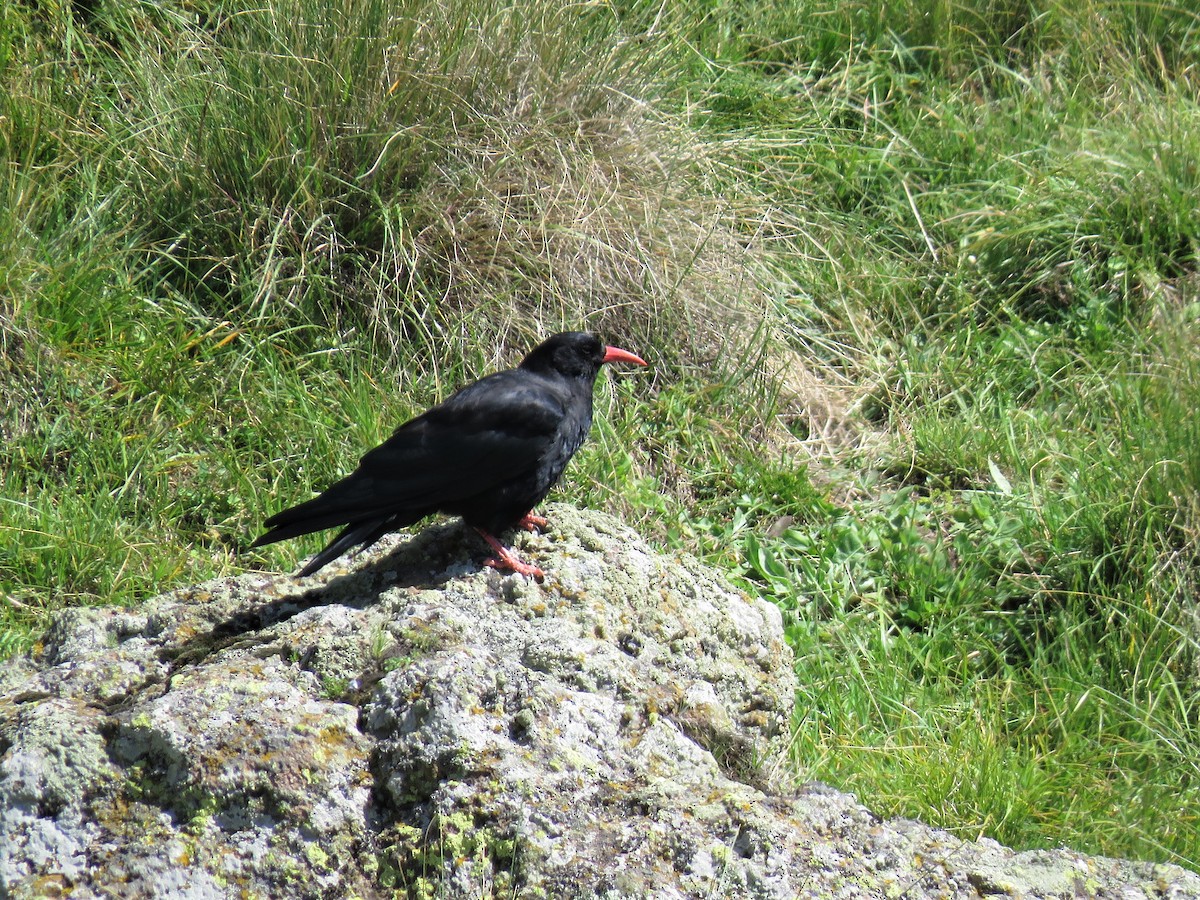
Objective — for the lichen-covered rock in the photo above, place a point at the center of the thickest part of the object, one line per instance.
(415, 725)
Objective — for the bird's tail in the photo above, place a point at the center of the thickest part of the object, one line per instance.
(355, 534)
(363, 526)
(317, 514)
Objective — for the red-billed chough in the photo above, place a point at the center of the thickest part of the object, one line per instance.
(489, 453)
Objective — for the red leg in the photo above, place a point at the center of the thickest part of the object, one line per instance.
(531, 522)
(506, 559)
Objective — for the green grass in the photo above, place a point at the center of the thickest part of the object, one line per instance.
(996, 268)
(918, 283)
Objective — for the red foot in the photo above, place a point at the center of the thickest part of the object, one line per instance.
(531, 522)
(506, 559)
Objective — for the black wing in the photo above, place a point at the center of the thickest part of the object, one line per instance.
(476, 441)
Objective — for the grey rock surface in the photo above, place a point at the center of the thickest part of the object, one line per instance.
(415, 725)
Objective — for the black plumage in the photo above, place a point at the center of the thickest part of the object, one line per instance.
(489, 453)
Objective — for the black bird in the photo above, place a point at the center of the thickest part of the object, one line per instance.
(489, 453)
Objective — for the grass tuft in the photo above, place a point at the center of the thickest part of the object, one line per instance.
(434, 176)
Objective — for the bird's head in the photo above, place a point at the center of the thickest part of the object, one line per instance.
(575, 354)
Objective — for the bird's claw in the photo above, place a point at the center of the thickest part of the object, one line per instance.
(512, 564)
(531, 522)
(505, 559)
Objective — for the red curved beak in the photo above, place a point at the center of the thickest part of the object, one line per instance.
(616, 354)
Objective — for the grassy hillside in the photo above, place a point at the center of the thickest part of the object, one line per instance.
(996, 270)
(917, 282)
